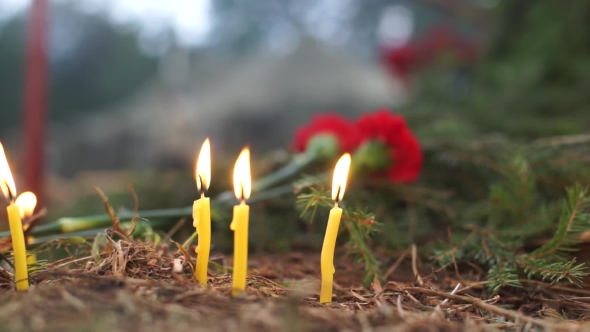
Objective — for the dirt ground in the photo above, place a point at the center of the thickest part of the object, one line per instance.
(134, 287)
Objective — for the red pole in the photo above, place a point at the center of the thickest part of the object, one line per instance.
(35, 99)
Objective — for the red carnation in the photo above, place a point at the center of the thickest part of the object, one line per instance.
(404, 149)
(332, 124)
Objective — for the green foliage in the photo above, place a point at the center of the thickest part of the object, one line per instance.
(502, 275)
(572, 222)
(518, 216)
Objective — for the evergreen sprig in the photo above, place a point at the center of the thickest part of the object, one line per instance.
(572, 222)
(512, 221)
(502, 274)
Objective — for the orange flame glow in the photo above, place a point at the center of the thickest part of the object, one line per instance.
(26, 203)
(242, 178)
(340, 176)
(203, 167)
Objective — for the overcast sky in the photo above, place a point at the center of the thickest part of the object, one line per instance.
(189, 18)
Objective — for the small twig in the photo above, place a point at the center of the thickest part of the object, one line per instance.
(557, 287)
(396, 264)
(174, 229)
(484, 306)
(437, 308)
(72, 261)
(188, 241)
(414, 264)
(452, 293)
(400, 310)
(412, 298)
(450, 235)
(109, 209)
(493, 300)
(413, 222)
(135, 215)
(30, 222)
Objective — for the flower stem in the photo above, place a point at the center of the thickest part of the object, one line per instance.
(298, 163)
(71, 225)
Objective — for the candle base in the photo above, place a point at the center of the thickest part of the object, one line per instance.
(326, 293)
(21, 273)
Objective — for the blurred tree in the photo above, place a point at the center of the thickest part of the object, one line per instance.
(11, 71)
(93, 64)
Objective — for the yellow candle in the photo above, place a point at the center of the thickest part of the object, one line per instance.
(327, 256)
(202, 213)
(21, 276)
(239, 224)
(8, 188)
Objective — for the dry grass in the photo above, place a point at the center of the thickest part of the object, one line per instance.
(134, 286)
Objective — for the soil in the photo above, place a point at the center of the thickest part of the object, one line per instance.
(135, 287)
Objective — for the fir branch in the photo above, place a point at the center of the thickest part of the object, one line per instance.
(502, 274)
(554, 272)
(359, 225)
(313, 200)
(571, 223)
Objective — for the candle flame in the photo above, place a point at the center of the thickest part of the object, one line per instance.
(203, 168)
(340, 175)
(242, 178)
(7, 185)
(26, 203)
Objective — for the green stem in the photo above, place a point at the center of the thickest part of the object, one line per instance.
(70, 225)
(37, 241)
(298, 163)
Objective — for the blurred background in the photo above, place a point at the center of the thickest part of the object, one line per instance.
(134, 86)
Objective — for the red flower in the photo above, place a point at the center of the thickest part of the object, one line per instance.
(404, 149)
(332, 124)
(399, 61)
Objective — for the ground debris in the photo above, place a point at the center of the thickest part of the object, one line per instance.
(135, 286)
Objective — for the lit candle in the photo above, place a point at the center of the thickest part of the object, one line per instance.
(202, 212)
(26, 203)
(327, 257)
(239, 223)
(16, 227)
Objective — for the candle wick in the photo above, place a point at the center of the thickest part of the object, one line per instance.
(10, 194)
(335, 204)
(243, 197)
(202, 189)
(337, 198)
